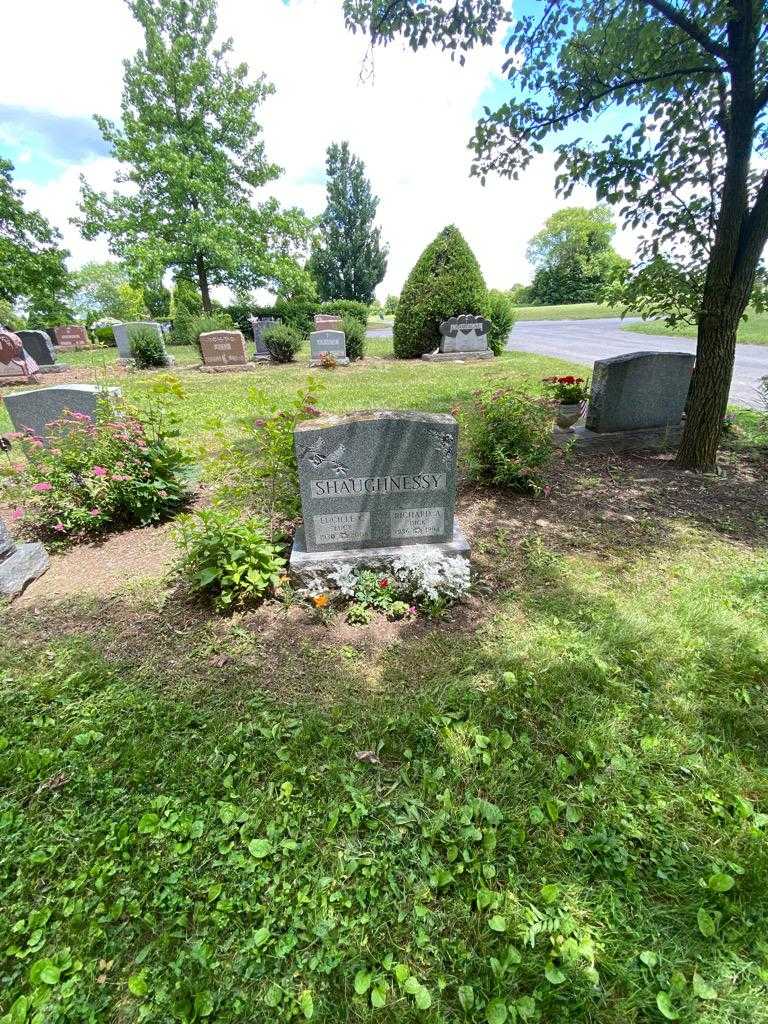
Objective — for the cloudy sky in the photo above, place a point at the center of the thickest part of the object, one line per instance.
(409, 116)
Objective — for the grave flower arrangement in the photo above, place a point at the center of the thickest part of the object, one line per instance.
(413, 582)
(118, 470)
(567, 390)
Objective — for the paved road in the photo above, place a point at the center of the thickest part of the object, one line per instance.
(584, 341)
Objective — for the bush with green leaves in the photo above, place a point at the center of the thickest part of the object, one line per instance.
(9, 318)
(446, 281)
(355, 337)
(228, 558)
(508, 438)
(500, 310)
(390, 304)
(347, 309)
(282, 342)
(123, 468)
(216, 321)
(147, 348)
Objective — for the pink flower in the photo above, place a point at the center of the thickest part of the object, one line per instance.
(95, 512)
(35, 442)
(42, 486)
(59, 527)
(17, 513)
(99, 471)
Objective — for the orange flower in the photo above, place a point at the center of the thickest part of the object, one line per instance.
(321, 600)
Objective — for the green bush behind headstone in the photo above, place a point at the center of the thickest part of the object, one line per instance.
(446, 281)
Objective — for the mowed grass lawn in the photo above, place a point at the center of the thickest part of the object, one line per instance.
(563, 819)
(752, 331)
(577, 311)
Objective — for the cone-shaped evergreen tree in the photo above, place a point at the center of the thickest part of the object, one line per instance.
(446, 281)
(348, 259)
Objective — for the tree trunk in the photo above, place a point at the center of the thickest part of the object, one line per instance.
(202, 280)
(708, 400)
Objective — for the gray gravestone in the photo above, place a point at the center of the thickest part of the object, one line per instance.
(123, 332)
(332, 342)
(258, 326)
(462, 337)
(639, 390)
(19, 564)
(33, 410)
(377, 479)
(38, 345)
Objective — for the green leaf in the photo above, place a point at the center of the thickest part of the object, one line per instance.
(44, 971)
(379, 995)
(720, 882)
(496, 1011)
(497, 923)
(553, 809)
(550, 893)
(307, 1004)
(227, 813)
(137, 985)
(553, 974)
(649, 958)
(703, 989)
(706, 923)
(18, 1012)
(148, 823)
(260, 937)
(363, 981)
(666, 1009)
(203, 1004)
(273, 996)
(260, 848)
(214, 891)
(422, 998)
(466, 997)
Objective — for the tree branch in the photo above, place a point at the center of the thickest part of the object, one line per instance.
(690, 28)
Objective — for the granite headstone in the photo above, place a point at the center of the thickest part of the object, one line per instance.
(377, 479)
(259, 324)
(19, 563)
(123, 333)
(223, 348)
(462, 337)
(638, 391)
(332, 342)
(71, 336)
(328, 322)
(34, 410)
(38, 345)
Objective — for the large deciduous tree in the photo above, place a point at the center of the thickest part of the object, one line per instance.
(192, 158)
(348, 259)
(574, 258)
(690, 82)
(105, 290)
(33, 272)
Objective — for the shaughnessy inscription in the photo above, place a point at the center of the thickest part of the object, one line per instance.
(346, 488)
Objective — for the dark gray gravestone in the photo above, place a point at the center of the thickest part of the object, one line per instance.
(463, 337)
(34, 410)
(19, 564)
(377, 479)
(639, 390)
(38, 345)
(258, 326)
(332, 342)
(123, 332)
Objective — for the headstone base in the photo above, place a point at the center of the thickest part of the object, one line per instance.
(308, 567)
(54, 368)
(234, 368)
(340, 361)
(261, 357)
(23, 565)
(648, 439)
(456, 357)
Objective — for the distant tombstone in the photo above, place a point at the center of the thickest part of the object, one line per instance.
(124, 332)
(71, 336)
(259, 324)
(328, 322)
(462, 337)
(38, 345)
(373, 482)
(638, 391)
(332, 342)
(35, 410)
(222, 350)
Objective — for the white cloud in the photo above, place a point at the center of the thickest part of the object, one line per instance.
(409, 118)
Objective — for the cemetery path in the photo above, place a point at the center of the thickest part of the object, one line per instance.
(584, 341)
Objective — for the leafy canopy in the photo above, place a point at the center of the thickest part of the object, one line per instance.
(33, 272)
(192, 159)
(348, 258)
(104, 290)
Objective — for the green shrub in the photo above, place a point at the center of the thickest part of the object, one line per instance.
(104, 335)
(147, 348)
(104, 474)
(296, 313)
(217, 321)
(8, 318)
(390, 304)
(509, 438)
(182, 327)
(347, 309)
(446, 281)
(355, 337)
(282, 342)
(500, 310)
(228, 559)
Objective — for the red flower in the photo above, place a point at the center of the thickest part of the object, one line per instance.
(384, 583)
